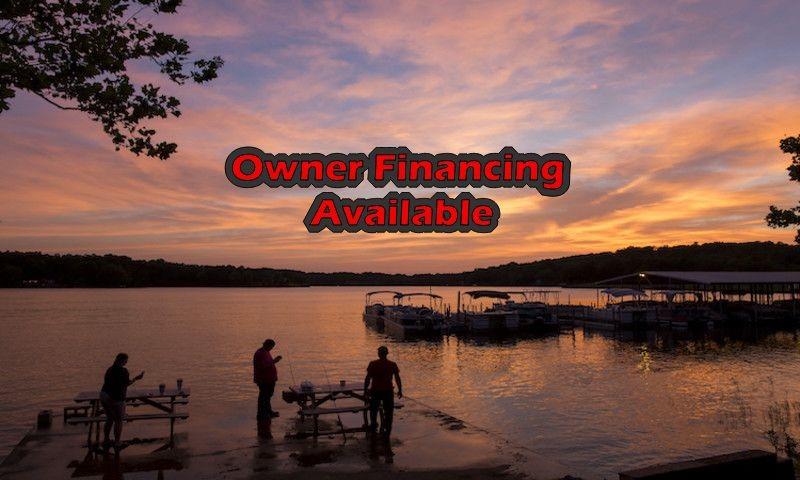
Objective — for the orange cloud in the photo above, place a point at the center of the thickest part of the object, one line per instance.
(672, 139)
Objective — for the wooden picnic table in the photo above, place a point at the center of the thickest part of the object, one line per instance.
(313, 403)
(320, 394)
(164, 402)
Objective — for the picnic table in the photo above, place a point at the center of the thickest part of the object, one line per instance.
(315, 401)
(90, 410)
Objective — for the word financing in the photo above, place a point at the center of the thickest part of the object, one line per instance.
(249, 167)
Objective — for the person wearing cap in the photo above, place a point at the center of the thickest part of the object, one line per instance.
(265, 375)
(378, 387)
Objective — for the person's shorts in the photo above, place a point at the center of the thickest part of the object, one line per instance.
(115, 409)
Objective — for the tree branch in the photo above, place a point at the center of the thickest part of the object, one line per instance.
(133, 16)
(77, 51)
(26, 43)
(51, 102)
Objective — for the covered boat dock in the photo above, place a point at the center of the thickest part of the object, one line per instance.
(762, 288)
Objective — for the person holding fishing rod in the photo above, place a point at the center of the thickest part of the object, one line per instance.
(265, 375)
(379, 374)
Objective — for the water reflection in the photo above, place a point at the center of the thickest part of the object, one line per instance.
(114, 467)
(381, 448)
(597, 401)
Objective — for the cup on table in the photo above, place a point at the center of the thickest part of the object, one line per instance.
(161, 388)
(180, 384)
(342, 383)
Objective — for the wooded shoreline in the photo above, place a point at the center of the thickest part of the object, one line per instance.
(34, 269)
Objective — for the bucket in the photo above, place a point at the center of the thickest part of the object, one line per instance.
(44, 420)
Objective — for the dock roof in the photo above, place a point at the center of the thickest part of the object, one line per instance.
(740, 281)
(709, 278)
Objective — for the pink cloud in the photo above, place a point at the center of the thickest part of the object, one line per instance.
(663, 151)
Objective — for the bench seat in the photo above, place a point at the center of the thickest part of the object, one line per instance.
(325, 411)
(332, 411)
(128, 418)
(178, 401)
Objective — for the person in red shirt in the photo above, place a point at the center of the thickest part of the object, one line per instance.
(265, 375)
(379, 374)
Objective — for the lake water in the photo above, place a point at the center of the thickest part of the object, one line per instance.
(595, 403)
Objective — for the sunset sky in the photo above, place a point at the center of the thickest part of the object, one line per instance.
(670, 112)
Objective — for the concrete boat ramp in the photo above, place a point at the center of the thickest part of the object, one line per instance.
(426, 444)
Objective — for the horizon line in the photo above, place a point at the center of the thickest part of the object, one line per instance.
(695, 244)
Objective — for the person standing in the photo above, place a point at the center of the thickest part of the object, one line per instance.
(379, 375)
(112, 397)
(265, 375)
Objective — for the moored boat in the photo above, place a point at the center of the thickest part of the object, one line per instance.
(534, 312)
(375, 312)
(493, 319)
(407, 320)
(637, 312)
(684, 309)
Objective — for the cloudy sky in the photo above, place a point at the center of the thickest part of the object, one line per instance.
(670, 111)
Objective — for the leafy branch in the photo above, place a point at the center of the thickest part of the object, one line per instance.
(784, 218)
(73, 55)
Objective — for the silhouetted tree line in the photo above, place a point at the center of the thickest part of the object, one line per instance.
(19, 269)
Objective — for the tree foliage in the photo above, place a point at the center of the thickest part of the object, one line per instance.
(784, 218)
(74, 55)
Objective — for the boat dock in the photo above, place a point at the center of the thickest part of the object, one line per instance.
(684, 299)
(640, 300)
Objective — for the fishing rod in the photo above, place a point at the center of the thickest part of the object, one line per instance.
(333, 398)
(291, 370)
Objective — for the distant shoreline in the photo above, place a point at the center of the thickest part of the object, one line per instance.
(38, 270)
